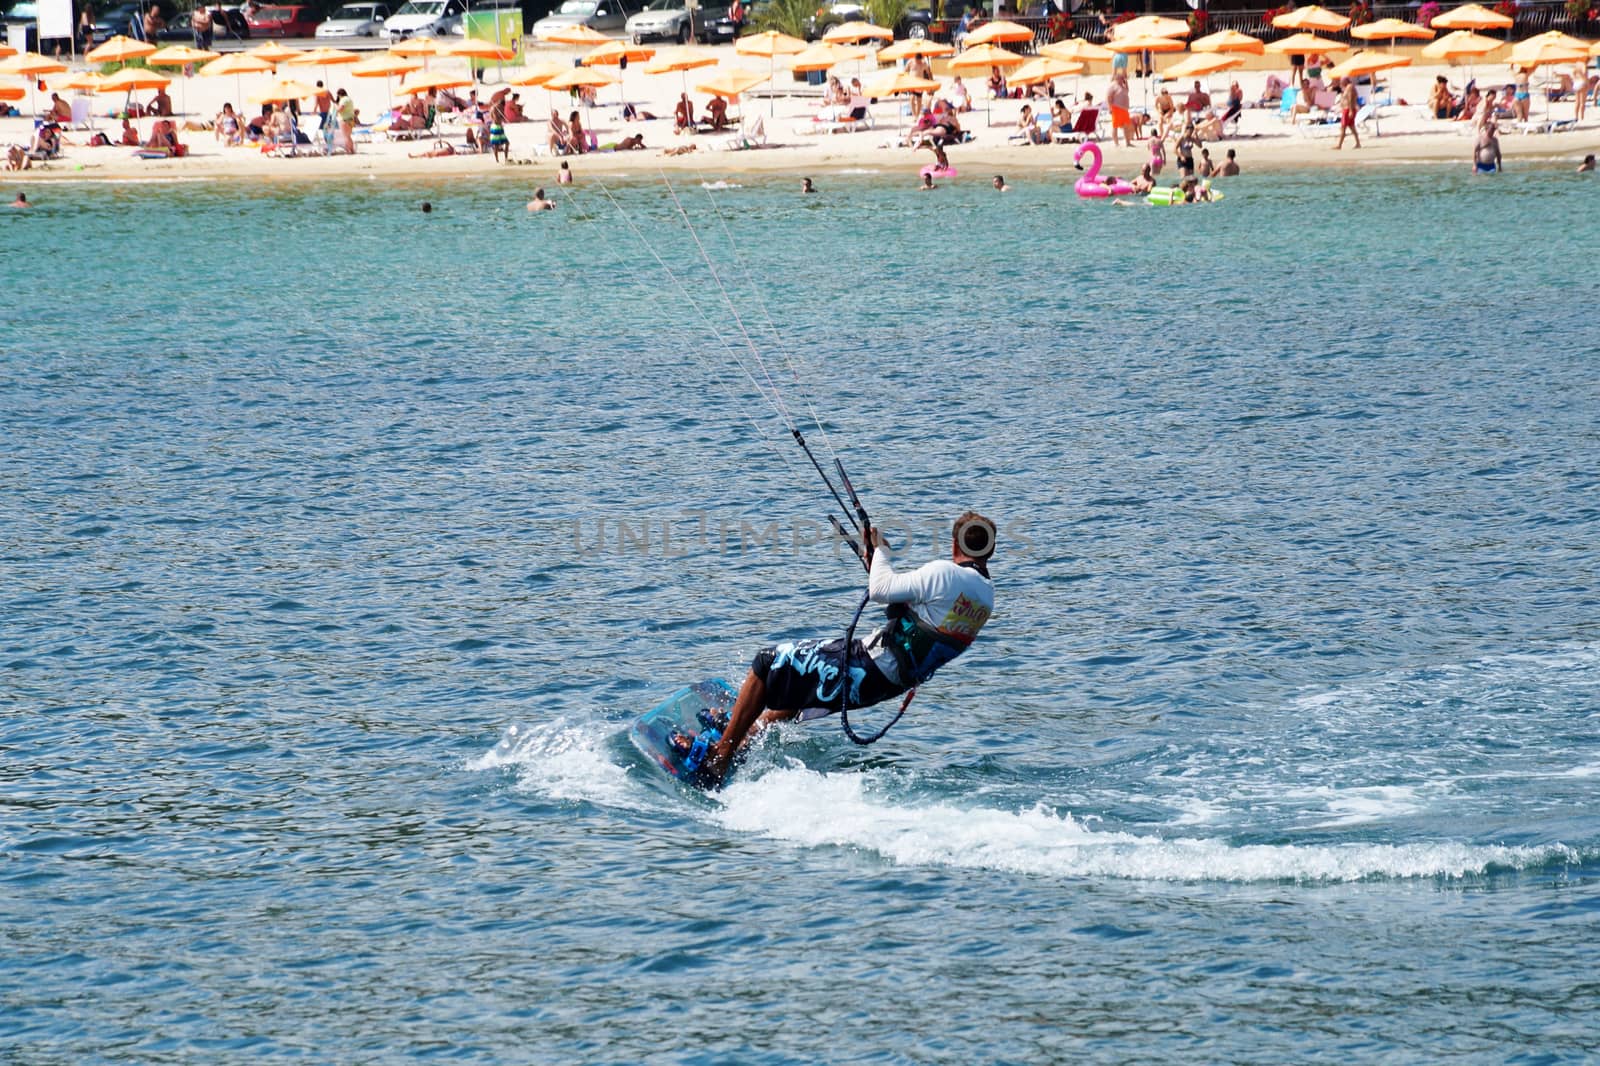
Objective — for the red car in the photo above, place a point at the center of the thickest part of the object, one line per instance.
(283, 20)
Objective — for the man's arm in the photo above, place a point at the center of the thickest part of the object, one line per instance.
(886, 586)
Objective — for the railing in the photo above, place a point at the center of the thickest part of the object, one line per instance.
(1531, 18)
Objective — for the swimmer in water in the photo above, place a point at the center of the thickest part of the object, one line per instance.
(927, 182)
(539, 203)
(1000, 183)
(806, 186)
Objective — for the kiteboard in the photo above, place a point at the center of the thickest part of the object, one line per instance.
(678, 733)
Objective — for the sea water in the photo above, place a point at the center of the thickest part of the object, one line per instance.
(341, 542)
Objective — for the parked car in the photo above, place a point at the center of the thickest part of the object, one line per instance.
(355, 20)
(915, 24)
(602, 15)
(284, 20)
(670, 20)
(431, 18)
(721, 30)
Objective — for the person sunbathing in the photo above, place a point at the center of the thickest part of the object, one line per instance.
(160, 104)
(227, 127)
(560, 135)
(440, 148)
(575, 135)
(683, 115)
(130, 136)
(60, 110)
(46, 142)
(164, 138)
(1029, 128)
(960, 99)
(717, 113)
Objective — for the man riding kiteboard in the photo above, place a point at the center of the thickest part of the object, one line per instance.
(934, 613)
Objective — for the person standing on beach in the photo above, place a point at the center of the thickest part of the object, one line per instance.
(1521, 97)
(1118, 99)
(564, 175)
(498, 142)
(347, 121)
(1347, 112)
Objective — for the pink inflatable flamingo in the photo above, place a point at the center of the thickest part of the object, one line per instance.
(1090, 185)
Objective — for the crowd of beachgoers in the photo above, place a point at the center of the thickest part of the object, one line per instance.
(1156, 130)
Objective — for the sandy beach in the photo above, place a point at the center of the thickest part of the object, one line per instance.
(786, 108)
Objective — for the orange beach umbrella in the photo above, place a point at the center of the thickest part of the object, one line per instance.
(1367, 63)
(1151, 26)
(1391, 29)
(985, 56)
(615, 53)
(1043, 68)
(282, 91)
(421, 83)
(578, 35)
(731, 83)
(180, 55)
(1201, 65)
(31, 65)
(1304, 44)
(772, 44)
(1001, 32)
(856, 31)
(1311, 17)
(823, 55)
(1461, 44)
(119, 49)
(1077, 49)
(273, 52)
(1472, 17)
(914, 46)
(679, 63)
(1228, 41)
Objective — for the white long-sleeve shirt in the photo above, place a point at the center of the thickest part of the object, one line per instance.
(955, 601)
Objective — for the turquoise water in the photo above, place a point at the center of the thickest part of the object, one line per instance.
(341, 543)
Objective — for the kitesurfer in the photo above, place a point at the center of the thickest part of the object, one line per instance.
(934, 613)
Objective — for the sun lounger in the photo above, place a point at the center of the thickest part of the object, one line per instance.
(1083, 127)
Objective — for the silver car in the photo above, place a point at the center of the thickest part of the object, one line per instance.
(603, 15)
(671, 20)
(355, 20)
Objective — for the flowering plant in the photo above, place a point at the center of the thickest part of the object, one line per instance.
(1274, 12)
(1197, 20)
(1506, 7)
(1580, 9)
(1059, 26)
(1426, 12)
(1360, 13)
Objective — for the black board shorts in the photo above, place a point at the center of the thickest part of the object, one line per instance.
(805, 674)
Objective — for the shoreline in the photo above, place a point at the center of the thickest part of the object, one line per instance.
(1256, 155)
(1265, 142)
